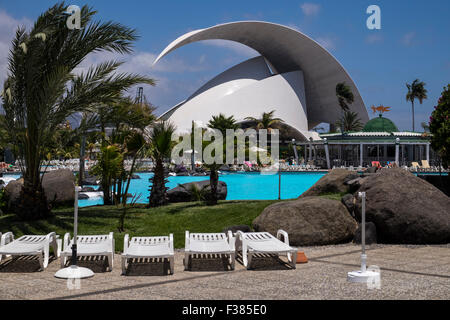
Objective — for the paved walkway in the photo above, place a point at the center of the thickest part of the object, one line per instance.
(407, 272)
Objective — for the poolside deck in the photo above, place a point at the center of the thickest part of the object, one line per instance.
(407, 272)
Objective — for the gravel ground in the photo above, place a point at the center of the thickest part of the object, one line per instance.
(407, 272)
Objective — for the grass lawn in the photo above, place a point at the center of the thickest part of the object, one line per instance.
(174, 218)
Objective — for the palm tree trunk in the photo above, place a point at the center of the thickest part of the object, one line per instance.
(213, 182)
(158, 195)
(413, 120)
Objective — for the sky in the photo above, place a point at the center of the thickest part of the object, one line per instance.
(413, 43)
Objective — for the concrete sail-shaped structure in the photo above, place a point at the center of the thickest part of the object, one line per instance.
(294, 75)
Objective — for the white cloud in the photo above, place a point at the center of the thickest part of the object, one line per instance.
(8, 27)
(409, 39)
(374, 38)
(310, 9)
(328, 43)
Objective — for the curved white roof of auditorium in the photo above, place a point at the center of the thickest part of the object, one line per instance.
(294, 75)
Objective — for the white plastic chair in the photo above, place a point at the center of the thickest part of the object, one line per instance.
(148, 247)
(252, 243)
(209, 243)
(90, 246)
(30, 246)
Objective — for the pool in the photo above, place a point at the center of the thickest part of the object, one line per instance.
(241, 186)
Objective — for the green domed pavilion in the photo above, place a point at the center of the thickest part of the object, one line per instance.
(380, 124)
(379, 141)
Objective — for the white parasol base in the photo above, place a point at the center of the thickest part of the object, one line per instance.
(363, 277)
(74, 272)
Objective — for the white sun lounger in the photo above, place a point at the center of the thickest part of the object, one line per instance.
(209, 243)
(30, 246)
(90, 246)
(148, 247)
(263, 242)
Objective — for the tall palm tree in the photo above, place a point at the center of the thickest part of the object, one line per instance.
(345, 98)
(350, 122)
(42, 90)
(267, 121)
(220, 123)
(160, 149)
(416, 90)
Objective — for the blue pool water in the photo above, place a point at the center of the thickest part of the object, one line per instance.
(241, 186)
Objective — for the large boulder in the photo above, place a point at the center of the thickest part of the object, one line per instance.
(59, 187)
(308, 221)
(405, 209)
(334, 182)
(12, 191)
(183, 193)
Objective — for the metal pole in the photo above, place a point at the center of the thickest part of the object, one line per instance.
(363, 231)
(397, 152)
(82, 155)
(295, 151)
(75, 228)
(327, 153)
(279, 181)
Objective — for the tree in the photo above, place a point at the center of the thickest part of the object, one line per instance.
(108, 168)
(345, 98)
(440, 127)
(350, 122)
(161, 146)
(416, 90)
(42, 91)
(222, 124)
(267, 121)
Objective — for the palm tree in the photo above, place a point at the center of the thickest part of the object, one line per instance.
(267, 121)
(345, 98)
(108, 168)
(42, 90)
(222, 123)
(416, 90)
(160, 149)
(350, 122)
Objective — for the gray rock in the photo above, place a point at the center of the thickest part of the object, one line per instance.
(405, 209)
(234, 229)
(182, 193)
(371, 234)
(87, 189)
(309, 221)
(135, 177)
(83, 196)
(12, 192)
(59, 187)
(349, 202)
(333, 182)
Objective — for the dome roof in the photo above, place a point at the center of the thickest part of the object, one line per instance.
(380, 124)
